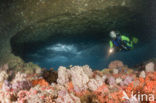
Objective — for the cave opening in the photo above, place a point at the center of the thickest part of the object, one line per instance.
(83, 40)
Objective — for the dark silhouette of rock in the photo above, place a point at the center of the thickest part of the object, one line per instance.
(50, 75)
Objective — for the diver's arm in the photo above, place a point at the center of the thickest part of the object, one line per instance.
(111, 44)
(125, 38)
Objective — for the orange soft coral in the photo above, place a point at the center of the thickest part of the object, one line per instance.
(40, 82)
(70, 86)
(145, 86)
(104, 95)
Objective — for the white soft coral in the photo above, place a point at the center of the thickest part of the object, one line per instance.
(3, 76)
(94, 84)
(79, 78)
(65, 97)
(63, 75)
(20, 77)
(87, 70)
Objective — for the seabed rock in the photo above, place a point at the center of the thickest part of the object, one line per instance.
(50, 75)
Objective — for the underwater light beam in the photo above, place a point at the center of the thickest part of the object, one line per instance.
(64, 48)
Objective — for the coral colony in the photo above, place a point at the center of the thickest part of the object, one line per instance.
(79, 84)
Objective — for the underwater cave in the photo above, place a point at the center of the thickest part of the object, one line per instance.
(83, 39)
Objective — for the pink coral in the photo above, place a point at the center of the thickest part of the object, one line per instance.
(65, 97)
(116, 64)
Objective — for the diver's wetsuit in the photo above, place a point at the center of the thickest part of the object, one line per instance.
(121, 43)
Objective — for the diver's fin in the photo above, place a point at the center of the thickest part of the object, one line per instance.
(135, 40)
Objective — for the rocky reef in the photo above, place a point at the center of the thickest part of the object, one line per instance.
(79, 84)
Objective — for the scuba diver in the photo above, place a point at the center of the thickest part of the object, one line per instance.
(120, 42)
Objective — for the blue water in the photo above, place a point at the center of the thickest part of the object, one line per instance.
(95, 55)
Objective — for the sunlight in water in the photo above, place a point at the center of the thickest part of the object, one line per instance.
(64, 48)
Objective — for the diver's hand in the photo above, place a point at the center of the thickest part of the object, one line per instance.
(111, 50)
